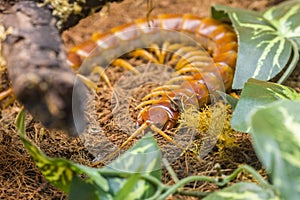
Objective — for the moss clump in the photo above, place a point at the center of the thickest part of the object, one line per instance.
(63, 9)
(213, 128)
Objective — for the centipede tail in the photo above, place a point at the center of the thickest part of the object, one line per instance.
(199, 70)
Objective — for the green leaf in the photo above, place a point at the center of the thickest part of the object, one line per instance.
(127, 186)
(257, 94)
(285, 18)
(59, 172)
(265, 45)
(229, 99)
(82, 191)
(94, 176)
(276, 135)
(243, 191)
(20, 121)
(143, 158)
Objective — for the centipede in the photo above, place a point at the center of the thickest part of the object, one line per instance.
(199, 71)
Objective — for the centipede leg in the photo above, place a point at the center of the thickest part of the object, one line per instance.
(144, 54)
(101, 71)
(88, 82)
(6, 93)
(123, 63)
(160, 52)
(164, 135)
(134, 134)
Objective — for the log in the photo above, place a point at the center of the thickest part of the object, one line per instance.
(36, 63)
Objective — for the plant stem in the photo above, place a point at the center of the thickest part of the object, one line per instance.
(183, 182)
(168, 190)
(192, 193)
(250, 170)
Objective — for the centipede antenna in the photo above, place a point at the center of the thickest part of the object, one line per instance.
(132, 136)
(126, 65)
(6, 93)
(150, 8)
(164, 135)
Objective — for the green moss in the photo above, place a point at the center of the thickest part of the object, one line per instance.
(213, 127)
(63, 9)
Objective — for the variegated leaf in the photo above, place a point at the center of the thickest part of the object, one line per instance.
(243, 191)
(57, 172)
(264, 49)
(276, 134)
(143, 158)
(286, 19)
(258, 94)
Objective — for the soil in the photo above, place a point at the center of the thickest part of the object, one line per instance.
(21, 179)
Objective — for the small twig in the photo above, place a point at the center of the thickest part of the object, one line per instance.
(170, 170)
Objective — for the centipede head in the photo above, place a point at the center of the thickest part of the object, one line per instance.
(162, 115)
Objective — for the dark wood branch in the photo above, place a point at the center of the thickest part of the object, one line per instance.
(36, 63)
(36, 59)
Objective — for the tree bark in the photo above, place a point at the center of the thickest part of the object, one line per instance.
(36, 63)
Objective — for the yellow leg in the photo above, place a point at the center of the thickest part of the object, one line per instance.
(180, 78)
(88, 82)
(166, 87)
(156, 49)
(6, 93)
(135, 133)
(126, 65)
(233, 94)
(160, 52)
(151, 101)
(164, 135)
(188, 69)
(145, 54)
(192, 59)
(99, 70)
(181, 52)
(156, 94)
(164, 51)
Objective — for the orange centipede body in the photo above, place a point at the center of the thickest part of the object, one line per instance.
(160, 108)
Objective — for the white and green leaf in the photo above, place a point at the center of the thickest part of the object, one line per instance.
(276, 134)
(286, 19)
(143, 158)
(258, 94)
(243, 191)
(267, 41)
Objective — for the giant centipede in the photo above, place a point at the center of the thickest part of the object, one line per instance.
(194, 74)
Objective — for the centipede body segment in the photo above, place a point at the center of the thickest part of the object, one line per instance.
(199, 70)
